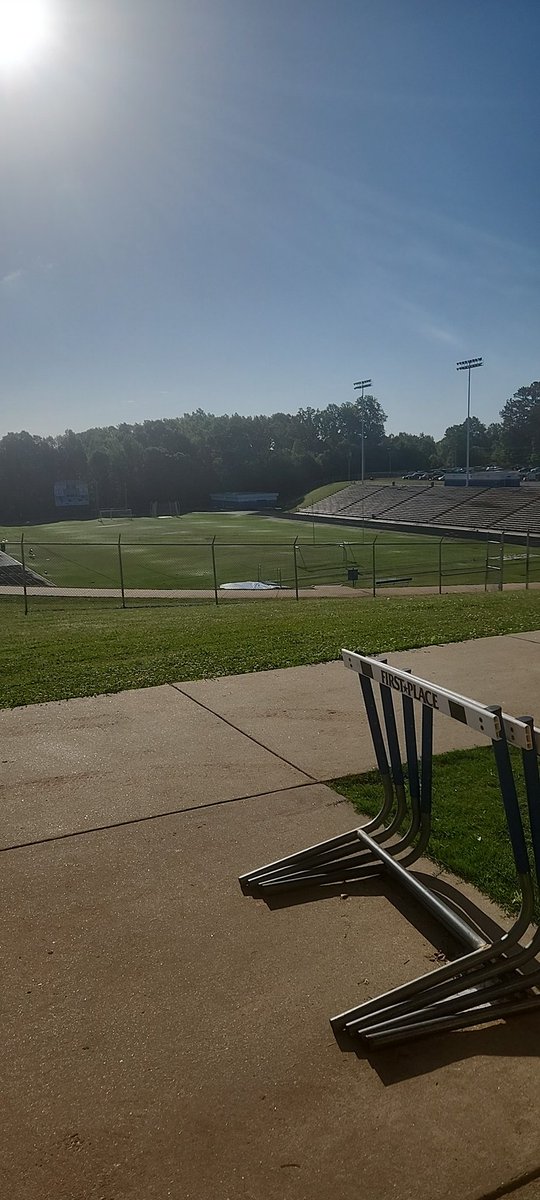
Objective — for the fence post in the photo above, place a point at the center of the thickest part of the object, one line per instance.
(486, 568)
(527, 558)
(440, 565)
(121, 565)
(24, 576)
(213, 550)
(373, 582)
(501, 563)
(295, 569)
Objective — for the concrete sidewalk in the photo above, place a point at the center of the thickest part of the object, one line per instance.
(317, 592)
(165, 1036)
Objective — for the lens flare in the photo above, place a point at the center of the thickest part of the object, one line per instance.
(25, 30)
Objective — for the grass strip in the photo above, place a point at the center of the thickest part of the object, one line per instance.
(66, 648)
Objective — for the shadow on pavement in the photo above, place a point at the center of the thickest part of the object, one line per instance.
(514, 1037)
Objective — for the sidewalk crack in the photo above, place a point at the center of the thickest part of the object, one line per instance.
(158, 816)
(288, 762)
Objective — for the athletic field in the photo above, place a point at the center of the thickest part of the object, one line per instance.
(176, 552)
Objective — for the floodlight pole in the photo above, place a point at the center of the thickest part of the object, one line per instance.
(361, 384)
(467, 364)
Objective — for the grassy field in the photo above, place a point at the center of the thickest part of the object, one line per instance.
(176, 553)
(67, 648)
(471, 840)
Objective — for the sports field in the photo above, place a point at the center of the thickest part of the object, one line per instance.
(176, 552)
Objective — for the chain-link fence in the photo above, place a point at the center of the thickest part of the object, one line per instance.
(207, 569)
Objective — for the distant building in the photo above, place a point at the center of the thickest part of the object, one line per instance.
(246, 501)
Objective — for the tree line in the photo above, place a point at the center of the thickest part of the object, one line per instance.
(186, 458)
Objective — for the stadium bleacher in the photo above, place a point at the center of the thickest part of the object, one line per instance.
(344, 499)
(11, 574)
(427, 506)
(511, 509)
(527, 518)
(383, 501)
(487, 507)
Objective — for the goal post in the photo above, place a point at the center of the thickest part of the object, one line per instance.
(165, 508)
(115, 514)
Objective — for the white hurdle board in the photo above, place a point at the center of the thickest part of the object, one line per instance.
(469, 712)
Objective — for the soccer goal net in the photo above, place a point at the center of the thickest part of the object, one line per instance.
(165, 508)
(115, 514)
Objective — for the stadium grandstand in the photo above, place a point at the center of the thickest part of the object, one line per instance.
(13, 574)
(514, 510)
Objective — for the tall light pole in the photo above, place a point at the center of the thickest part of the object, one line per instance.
(362, 383)
(467, 364)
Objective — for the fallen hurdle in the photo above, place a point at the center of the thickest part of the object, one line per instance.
(487, 981)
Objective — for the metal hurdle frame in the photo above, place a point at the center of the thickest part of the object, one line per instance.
(487, 981)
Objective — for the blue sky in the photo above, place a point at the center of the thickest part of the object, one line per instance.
(246, 206)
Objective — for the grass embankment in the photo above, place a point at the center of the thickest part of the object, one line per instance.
(82, 647)
(321, 493)
(469, 833)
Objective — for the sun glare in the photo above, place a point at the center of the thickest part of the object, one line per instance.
(25, 30)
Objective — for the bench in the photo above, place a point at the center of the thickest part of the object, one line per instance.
(394, 579)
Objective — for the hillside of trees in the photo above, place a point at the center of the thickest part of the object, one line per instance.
(185, 458)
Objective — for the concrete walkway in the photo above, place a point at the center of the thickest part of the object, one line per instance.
(321, 591)
(335, 591)
(165, 1036)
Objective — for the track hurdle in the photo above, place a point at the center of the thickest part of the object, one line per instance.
(487, 981)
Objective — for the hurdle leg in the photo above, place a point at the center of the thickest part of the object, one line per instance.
(305, 867)
(478, 1016)
(394, 1008)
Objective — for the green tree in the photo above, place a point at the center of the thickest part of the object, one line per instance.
(340, 436)
(410, 452)
(453, 446)
(520, 426)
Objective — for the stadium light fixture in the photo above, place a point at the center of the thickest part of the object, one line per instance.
(467, 364)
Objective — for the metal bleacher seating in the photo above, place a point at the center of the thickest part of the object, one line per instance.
(11, 575)
(489, 508)
(510, 509)
(430, 505)
(525, 518)
(342, 501)
(380, 501)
